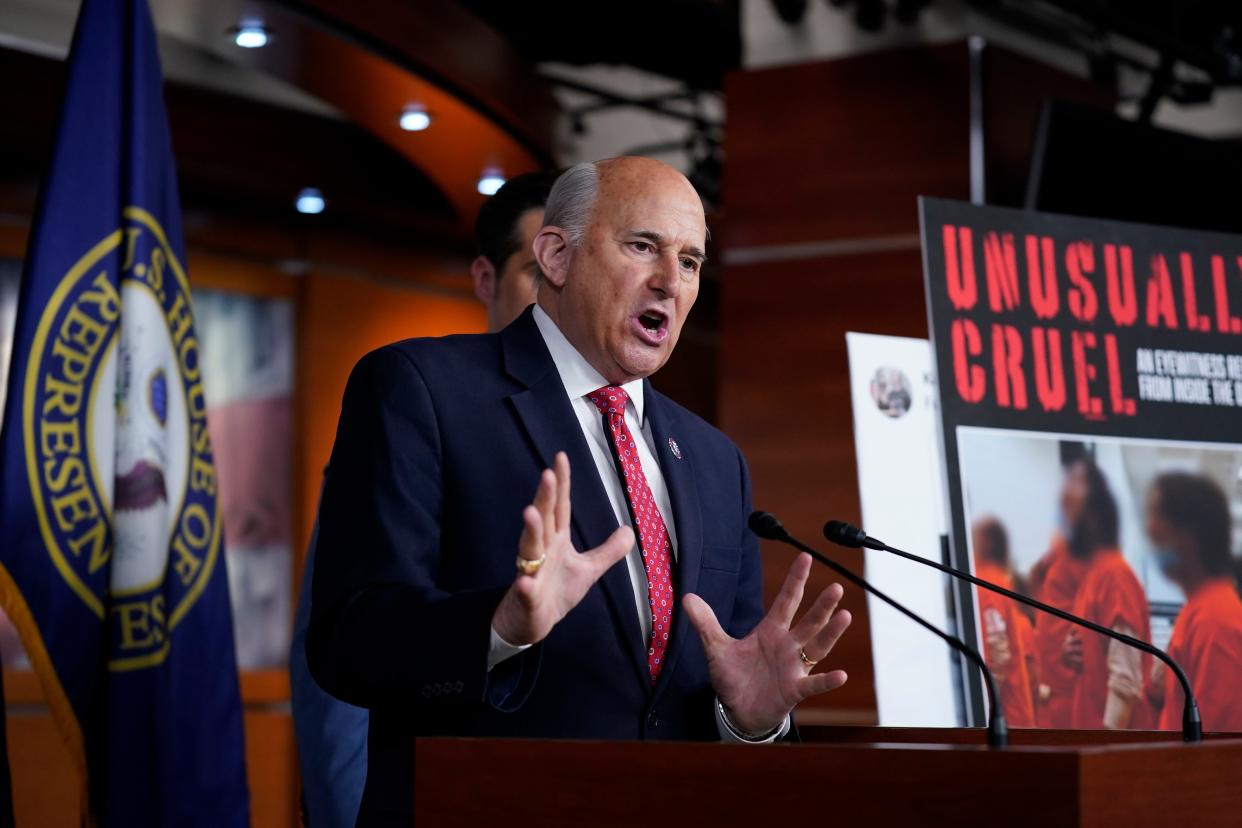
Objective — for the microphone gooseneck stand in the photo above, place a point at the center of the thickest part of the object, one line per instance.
(845, 534)
(766, 525)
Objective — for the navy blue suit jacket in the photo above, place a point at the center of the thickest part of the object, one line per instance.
(439, 448)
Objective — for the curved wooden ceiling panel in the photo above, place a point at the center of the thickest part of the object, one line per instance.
(370, 59)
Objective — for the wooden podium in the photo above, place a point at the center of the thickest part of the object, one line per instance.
(837, 776)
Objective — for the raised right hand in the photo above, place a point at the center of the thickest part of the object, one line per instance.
(535, 603)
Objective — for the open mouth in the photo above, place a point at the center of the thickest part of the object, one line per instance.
(652, 326)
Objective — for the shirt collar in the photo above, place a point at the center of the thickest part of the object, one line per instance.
(577, 375)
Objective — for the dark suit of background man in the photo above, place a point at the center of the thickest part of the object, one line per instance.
(418, 612)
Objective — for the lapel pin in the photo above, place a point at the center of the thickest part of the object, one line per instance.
(674, 448)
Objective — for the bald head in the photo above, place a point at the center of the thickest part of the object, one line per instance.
(632, 175)
(621, 248)
(574, 196)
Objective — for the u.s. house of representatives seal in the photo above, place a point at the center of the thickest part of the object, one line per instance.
(117, 451)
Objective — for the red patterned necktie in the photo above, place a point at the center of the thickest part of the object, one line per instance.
(653, 538)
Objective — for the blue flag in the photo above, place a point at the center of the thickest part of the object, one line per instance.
(111, 550)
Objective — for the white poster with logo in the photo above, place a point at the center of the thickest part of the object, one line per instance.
(899, 485)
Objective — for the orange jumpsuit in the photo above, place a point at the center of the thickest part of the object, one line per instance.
(1207, 644)
(1111, 596)
(1026, 634)
(1058, 586)
(1002, 630)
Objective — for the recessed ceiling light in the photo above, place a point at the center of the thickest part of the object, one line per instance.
(491, 181)
(251, 36)
(310, 201)
(414, 119)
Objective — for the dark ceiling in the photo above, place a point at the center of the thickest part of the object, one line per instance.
(241, 158)
(698, 41)
(695, 41)
(1205, 34)
(1187, 48)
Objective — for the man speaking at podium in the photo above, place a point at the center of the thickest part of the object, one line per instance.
(450, 602)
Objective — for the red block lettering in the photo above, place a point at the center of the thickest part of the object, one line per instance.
(1007, 366)
(1001, 266)
(965, 342)
(1042, 274)
(1193, 320)
(1122, 295)
(1081, 298)
(959, 267)
(1049, 368)
(1160, 308)
(1122, 404)
(1225, 322)
(1089, 406)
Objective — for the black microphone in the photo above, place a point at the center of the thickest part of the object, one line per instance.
(844, 534)
(766, 526)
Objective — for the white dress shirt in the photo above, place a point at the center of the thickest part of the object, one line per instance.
(579, 379)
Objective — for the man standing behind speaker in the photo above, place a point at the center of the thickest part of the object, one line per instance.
(505, 270)
(448, 602)
(332, 735)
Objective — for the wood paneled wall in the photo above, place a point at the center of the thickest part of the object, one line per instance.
(819, 226)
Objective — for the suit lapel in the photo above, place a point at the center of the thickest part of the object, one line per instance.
(683, 493)
(548, 418)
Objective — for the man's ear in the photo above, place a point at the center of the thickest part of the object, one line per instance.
(552, 252)
(483, 274)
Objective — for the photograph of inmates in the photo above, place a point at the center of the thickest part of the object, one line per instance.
(1137, 536)
(1187, 519)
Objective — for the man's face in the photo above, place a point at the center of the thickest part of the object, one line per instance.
(628, 287)
(514, 287)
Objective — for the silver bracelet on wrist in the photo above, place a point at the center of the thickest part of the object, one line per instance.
(738, 732)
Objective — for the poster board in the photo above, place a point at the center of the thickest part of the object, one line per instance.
(1077, 355)
(895, 422)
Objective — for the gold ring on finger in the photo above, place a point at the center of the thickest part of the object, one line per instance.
(807, 660)
(529, 567)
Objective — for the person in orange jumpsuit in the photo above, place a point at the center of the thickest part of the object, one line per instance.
(1054, 579)
(1188, 522)
(1026, 632)
(1005, 646)
(1109, 688)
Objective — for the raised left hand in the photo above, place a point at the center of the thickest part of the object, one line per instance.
(761, 677)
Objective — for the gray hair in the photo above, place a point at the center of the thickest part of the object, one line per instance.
(572, 199)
